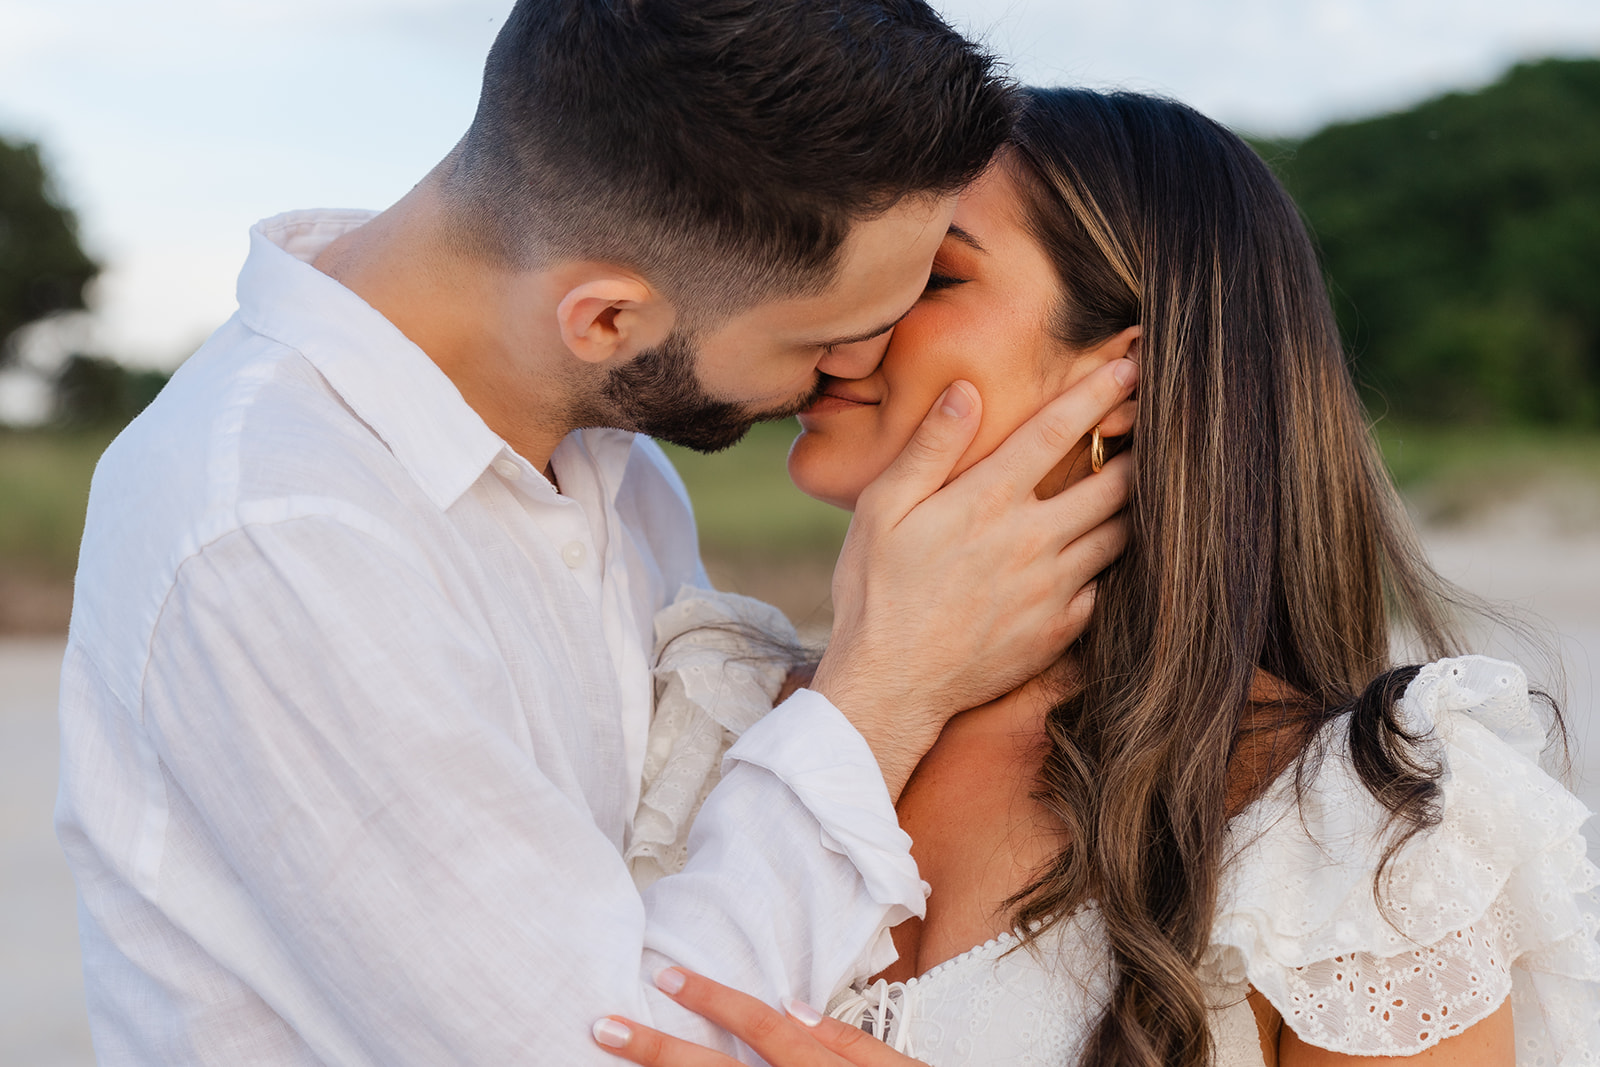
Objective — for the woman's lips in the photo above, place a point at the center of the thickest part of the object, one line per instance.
(833, 403)
(844, 397)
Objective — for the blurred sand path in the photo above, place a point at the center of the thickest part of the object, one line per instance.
(1552, 580)
(42, 1023)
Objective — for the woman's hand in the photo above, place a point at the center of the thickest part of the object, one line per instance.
(798, 1037)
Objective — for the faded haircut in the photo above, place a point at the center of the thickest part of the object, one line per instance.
(721, 148)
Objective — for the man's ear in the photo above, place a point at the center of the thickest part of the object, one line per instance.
(609, 318)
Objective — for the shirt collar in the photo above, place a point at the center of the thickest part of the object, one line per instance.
(609, 450)
(390, 383)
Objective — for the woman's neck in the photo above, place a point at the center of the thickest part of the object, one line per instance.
(978, 834)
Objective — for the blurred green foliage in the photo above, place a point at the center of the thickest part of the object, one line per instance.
(93, 391)
(1462, 241)
(44, 493)
(744, 501)
(42, 268)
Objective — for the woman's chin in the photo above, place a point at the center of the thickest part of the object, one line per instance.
(840, 496)
(824, 477)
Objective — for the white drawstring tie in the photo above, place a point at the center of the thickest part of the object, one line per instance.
(884, 1020)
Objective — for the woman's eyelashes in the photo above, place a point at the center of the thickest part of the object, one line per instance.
(937, 281)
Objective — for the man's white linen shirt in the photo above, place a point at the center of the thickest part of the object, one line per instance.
(353, 716)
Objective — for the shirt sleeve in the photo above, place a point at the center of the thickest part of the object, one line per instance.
(436, 890)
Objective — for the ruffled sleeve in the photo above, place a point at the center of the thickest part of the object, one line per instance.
(720, 660)
(1497, 900)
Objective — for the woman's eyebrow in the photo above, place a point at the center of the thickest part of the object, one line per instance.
(966, 238)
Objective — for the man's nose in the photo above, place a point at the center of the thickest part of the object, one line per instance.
(855, 360)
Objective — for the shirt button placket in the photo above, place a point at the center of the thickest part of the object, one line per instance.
(573, 553)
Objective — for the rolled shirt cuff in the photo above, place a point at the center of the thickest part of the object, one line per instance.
(810, 746)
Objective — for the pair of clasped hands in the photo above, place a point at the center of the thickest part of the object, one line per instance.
(949, 592)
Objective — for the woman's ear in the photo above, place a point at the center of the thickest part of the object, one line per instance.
(1122, 346)
(612, 317)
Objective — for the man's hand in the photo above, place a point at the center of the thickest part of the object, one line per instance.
(800, 1038)
(947, 596)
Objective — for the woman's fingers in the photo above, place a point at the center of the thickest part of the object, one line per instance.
(776, 1037)
(628, 1040)
(801, 1037)
(797, 1037)
(851, 1044)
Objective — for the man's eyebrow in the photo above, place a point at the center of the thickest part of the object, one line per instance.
(966, 238)
(839, 342)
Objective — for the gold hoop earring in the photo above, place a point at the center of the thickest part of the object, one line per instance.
(1097, 451)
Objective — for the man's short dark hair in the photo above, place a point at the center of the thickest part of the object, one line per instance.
(722, 148)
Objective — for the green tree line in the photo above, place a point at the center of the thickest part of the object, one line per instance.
(1462, 242)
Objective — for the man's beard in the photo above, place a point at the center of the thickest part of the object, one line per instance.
(659, 394)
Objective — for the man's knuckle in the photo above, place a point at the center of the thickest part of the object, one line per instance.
(1057, 434)
(924, 448)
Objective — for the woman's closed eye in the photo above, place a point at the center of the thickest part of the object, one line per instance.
(937, 282)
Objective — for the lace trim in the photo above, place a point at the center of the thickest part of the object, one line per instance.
(1403, 1004)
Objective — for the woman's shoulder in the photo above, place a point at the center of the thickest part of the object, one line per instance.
(1320, 830)
(1498, 893)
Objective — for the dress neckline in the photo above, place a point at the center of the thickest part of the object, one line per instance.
(1007, 938)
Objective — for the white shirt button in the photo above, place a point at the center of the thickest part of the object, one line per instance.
(507, 469)
(574, 554)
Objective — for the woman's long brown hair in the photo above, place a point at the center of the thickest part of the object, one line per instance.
(1266, 536)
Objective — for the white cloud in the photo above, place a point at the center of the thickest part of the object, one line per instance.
(1279, 66)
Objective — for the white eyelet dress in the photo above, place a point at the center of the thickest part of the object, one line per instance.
(1005, 1003)
(1498, 900)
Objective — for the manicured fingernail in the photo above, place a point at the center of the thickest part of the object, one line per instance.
(801, 1012)
(611, 1033)
(670, 980)
(957, 402)
(1125, 372)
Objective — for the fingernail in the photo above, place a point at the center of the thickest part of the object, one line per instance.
(957, 402)
(670, 980)
(800, 1011)
(611, 1033)
(1125, 372)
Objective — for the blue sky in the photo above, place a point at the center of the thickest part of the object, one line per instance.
(172, 125)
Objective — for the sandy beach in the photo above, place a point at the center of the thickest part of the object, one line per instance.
(42, 1021)
(1549, 572)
